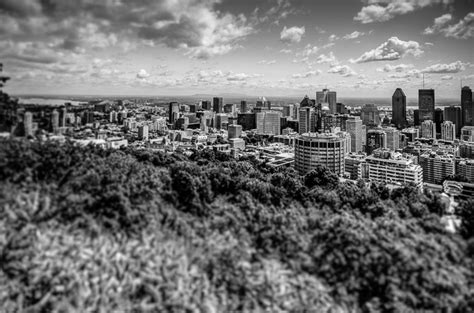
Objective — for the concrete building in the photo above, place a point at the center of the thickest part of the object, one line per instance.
(354, 128)
(307, 120)
(467, 107)
(465, 168)
(247, 120)
(243, 106)
(448, 131)
(453, 114)
(390, 167)
(234, 131)
(393, 138)
(327, 98)
(352, 163)
(376, 139)
(313, 149)
(173, 112)
(221, 120)
(436, 166)
(218, 104)
(428, 129)
(143, 132)
(370, 115)
(426, 104)
(467, 134)
(28, 123)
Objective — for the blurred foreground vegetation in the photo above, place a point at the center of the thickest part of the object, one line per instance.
(85, 229)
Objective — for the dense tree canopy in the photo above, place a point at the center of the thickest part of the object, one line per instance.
(82, 228)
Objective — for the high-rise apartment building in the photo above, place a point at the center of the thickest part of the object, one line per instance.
(307, 120)
(453, 114)
(428, 129)
(436, 166)
(399, 108)
(143, 132)
(390, 167)
(354, 128)
(376, 139)
(426, 104)
(218, 104)
(313, 149)
(467, 133)
(467, 106)
(370, 115)
(393, 138)
(448, 131)
(327, 98)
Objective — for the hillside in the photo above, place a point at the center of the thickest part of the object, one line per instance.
(86, 229)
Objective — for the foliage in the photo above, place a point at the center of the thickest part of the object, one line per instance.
(87, 229)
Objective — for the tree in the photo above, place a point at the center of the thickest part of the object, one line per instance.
(321, 176)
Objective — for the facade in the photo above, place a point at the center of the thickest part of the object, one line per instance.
(426, 104)
(453, 114)
(143, 132)
(465, 168)
(229, 108)
(307, 120)
(218, 104)
(28, 123)
(410, 134)
(467, 106)
(55, 121)
(353, 163)
(467, 133)
(234, 131)
(268, 122)
(329, 98)
(399, 109)
(376, 139)
(436, 167)
(354, 128)
(221, 120)
(393, 168)
(448, 131)
(428, 129)
(247, 120)
(313, 149)
(243, 106)
(370, 115)
(173, 112)
(393, 138)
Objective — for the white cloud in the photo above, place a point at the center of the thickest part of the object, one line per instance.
(439, 22)
(384, 10)
(307, 74)
(327, 59)
(407, 74)
(328, 45)
(292, 34)
(333, 37)
(266, 62)
(343, 70)
(286, 51)
(142, 74)
(395, 68)
(308, 51)
(463, 29)
(447, 77)
(392, 49)
(353, 35)
(454, 67)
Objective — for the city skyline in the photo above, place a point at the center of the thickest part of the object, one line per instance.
(362, 48)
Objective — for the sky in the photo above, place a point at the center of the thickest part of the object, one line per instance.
(359, 48)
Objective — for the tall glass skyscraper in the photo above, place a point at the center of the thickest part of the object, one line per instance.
(467, 107)
(399, 109)
(426, 104)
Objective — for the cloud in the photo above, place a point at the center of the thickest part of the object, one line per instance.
(439, 22)
(454, 67)
(327, 59)
(328, 45)
(353, 35)
(395, 68)
(308, 51)
(384, 10)
(292, 34)
(392, 49)
(343, 70)
(142, 74)
(307, 74)
(286, 51)
(407, 74)
(266, 62)
(333, 37)
(463, 29)
(447, 77)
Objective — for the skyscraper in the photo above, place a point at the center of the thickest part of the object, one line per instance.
(438, 119)
(453, 114)
(28, 123)
(243, 106)
(370, 115)
(376, 139)
(143, 132)
(467, 107)
(354, 128)
(55, 122)
(428, 130)
(393, 138)
(448, 131)
(329, 98)
(307, 120)
(268, 122)
(234, 131)
(218, 104)
(173, 112)
(399, 109)
(426, 104)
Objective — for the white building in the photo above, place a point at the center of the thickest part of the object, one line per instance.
(448, 131)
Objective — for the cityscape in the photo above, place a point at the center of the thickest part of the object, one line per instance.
(236, 156)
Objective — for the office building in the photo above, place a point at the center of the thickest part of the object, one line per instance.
(428, 129)
(416, 117)
(206, 105)
(263, 103)
(193, 108)
(247, 120)
(113, 117)
(28, 123)
(453, 114)
(63, 117)
(288, 110)
(390, 167)
(234, 131)
(55, 122)
(296, 111)
(426, 104)
(448, 131)
(221, 120)
(173, 112)
(354, 128)
(352, 163)
(393, 138)
(268, 122)
(327, 99)
(375, 139)
(399, 109)
(143, 132)
(370, 115)
(307, 120)
(465, 169)
(410, 134)
(313, 149)
(438, 119)
(467, 106)
(340, 108)
(467, 134)
(218, 104)
(229, 108)
(243, 106)
(466, 150)
(436, 166)
(306, 102)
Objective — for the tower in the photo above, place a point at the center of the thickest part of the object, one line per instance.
(218, 104)
(399, 108)
(467, 107)
(426, 104)
(327, 97)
